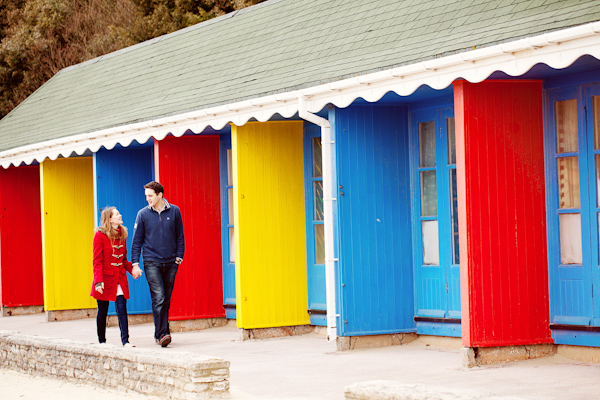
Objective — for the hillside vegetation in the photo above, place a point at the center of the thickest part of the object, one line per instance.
(38, 38)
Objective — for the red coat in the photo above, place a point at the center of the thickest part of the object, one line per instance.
(110, 266)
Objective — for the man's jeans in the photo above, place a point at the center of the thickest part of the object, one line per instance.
(161, 279)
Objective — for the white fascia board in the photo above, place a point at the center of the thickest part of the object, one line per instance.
(514, 59)
(557, 49)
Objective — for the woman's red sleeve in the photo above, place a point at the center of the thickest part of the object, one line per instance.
(98, 257)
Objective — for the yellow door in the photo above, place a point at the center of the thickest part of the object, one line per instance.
(67, 232)
(270, 234)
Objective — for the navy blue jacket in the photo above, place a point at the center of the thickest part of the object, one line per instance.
(159, 236)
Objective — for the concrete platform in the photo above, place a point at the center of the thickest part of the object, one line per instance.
(308, 367)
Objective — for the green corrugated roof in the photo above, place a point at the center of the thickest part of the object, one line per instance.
(276, 46)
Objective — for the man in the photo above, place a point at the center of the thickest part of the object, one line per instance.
(158, 234)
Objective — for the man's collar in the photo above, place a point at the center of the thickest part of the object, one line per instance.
(166, 206)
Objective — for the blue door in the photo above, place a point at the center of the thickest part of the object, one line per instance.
(120, 178)
(375, 288)
(227, 227)
(315, 233)
(572, 133)
(435, 222)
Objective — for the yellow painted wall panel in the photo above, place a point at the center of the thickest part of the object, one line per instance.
(270, 230)
(67, 232)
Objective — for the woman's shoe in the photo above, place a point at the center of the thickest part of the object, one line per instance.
(128, 345)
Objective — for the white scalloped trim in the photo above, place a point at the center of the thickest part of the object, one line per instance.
(557, 50)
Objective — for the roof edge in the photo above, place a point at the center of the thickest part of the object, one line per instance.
(557, 49)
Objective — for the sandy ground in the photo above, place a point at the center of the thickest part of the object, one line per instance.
(308, 367)
(18, 386)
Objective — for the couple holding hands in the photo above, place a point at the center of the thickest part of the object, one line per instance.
(158, 237)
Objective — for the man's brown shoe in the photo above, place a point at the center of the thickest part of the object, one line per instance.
(165, 340)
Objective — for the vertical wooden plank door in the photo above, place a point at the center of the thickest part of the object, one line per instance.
(120, 176)
(20, 237)
(502, 213)
(375, 262)
(188, 167)
(269, 217)
(67, 199)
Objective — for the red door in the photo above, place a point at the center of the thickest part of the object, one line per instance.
(188, 167)
(21, 237)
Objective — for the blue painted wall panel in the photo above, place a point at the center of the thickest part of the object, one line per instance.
(375, 249)
(120, 176)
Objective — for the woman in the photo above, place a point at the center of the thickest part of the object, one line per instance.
(110, 276)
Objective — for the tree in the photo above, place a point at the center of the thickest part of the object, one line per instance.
(38, 38)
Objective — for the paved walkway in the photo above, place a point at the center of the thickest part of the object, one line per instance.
(308, 367)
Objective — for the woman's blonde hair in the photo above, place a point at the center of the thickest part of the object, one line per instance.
(106, 228)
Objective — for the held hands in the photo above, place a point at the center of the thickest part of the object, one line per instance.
(136, 271)
(99, 287)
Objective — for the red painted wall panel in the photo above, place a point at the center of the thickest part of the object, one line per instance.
(21, 237)
(188, 167)
(502, 214)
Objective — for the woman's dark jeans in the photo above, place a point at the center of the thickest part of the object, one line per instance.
(121, 305)
(161, 279)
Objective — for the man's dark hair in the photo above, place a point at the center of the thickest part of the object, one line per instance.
(157, 187)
